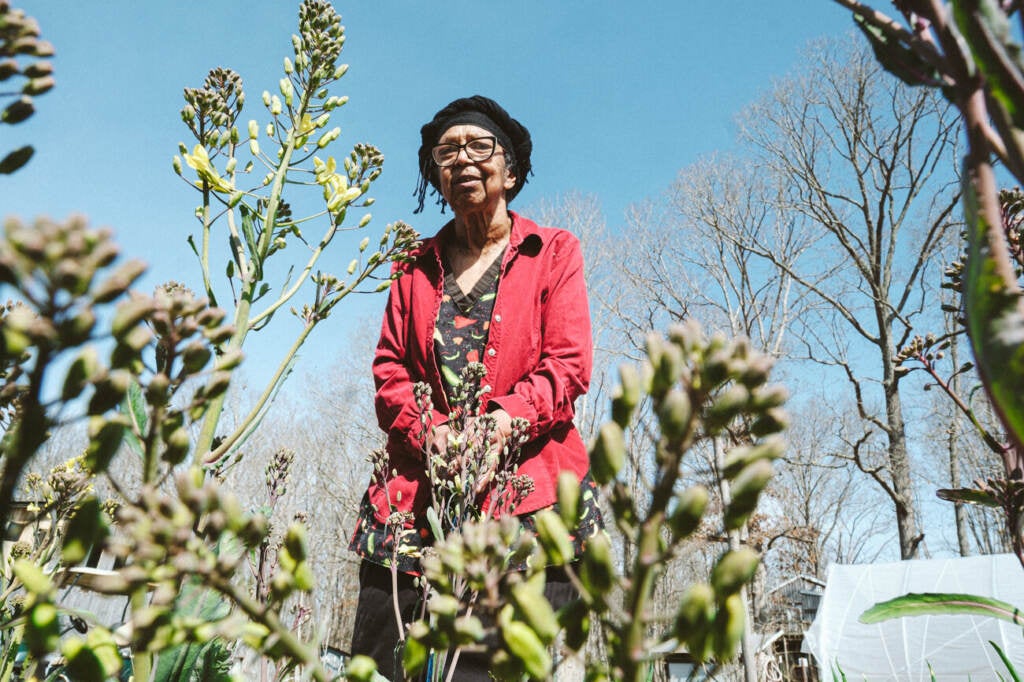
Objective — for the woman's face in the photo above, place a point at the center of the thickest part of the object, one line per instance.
(474, 186)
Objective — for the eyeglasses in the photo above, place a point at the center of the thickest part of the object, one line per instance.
(478, 149)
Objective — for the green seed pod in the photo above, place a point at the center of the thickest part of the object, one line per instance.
(176, 446)
(688, 512)
(535, 610)
(42, 629)
(598, 571)
(156, 390)
(739, 457)
(18, 110)
(443, 606)
(726, 406)
(32, 577)
(674, 414)
(575, 620)
(568, 498)
(524, 644)
(608, 453)
(468, 630)
(295, 541)
(627, 395)
(176, 164)
(304, 580)
(84, 529)
(9, 67)
(194, 357)
(773, 420)
(694, 618)
(733, 570)
(766, 397)
(339, 72)
(554, 537)
(118, 282)
(82, 369)
(746, 488)
(414, 656)
(109, 391)
(218, 384)
(730, 624)
(361, 669)
(105, 438)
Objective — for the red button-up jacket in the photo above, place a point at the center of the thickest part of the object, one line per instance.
(538, 360)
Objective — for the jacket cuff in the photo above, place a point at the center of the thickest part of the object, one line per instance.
(516, 406)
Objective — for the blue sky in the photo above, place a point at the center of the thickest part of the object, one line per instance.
(617, 97)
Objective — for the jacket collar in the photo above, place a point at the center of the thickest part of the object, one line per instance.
(523, 230)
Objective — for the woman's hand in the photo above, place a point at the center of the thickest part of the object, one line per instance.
(436, 442)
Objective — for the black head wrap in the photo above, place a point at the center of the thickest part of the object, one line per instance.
(487, 114)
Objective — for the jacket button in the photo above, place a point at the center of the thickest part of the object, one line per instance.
(487, 388)
(497, 318)
(491, 351)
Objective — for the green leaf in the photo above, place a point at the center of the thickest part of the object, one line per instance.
(942, 604)
(995, 315)
(207, 661)
(1006, 661)
(249, 229)
(134, 405)
(987, 30)
(968, 496)
(435, 524)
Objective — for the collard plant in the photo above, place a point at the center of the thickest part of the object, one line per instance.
(24, 75)
(156, 370)
(968, 51)
(701, 389)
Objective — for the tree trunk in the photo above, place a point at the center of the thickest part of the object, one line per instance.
(902, 491)
(953, 432)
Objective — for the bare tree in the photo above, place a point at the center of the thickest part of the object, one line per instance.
(868, 164)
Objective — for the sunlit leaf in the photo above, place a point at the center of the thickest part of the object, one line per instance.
(942, 604)
(967, 495)
(995, 315)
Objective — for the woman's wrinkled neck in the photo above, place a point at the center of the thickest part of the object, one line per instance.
(478, 233)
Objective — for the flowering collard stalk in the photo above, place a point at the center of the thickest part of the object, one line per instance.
(246, 177)
(472, 553)
(701, 390)
(20, 43)
(165, 365)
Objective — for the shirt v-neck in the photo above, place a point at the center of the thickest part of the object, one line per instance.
(485, 285)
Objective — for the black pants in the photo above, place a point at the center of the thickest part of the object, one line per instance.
(375, 633)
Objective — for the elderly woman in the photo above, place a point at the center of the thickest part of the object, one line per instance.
(494, 287)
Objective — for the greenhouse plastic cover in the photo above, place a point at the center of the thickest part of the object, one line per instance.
(957, 647)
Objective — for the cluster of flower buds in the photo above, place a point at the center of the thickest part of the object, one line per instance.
(470, 583)
(699, 389)
(19, 40)
(210, 112)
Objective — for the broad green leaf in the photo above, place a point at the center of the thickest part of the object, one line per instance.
(995, 315)
(987, 30)
(207, 661)
(942, 604)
